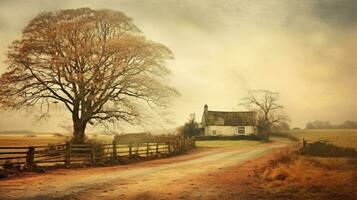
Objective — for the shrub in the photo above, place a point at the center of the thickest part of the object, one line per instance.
(190, 128)
(325, 149)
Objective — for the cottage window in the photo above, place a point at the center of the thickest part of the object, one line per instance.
(214, 132)
(241, 130)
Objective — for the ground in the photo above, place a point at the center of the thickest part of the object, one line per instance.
(226, 170)
(204, 173)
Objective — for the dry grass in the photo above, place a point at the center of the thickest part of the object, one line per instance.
(41, 139)
(22, 140)
(340, 137)
(322, 178)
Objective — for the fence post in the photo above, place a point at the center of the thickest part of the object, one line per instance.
(137, 149)
(30, 157)
(93, 155)
(130, 150)
(157, 148)
(177, 145)
(68, 154)
(114, 149)
(168, 147)
(184, 144)
(147, 149)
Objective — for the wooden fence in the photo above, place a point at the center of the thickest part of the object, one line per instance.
(71, 154)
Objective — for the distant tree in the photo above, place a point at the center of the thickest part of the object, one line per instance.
(96, 63)
(309, 125)
(319, 125)
(266, 104)
(282, 126)
(190, 128)
(348, 124)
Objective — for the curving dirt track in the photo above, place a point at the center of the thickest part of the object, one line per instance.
(210, 173)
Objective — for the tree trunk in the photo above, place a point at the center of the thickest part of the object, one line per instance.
(78, 132)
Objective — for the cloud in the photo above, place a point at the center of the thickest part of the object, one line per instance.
(302, 49)
(338, 13)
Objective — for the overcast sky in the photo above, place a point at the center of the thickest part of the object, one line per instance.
(306, 50)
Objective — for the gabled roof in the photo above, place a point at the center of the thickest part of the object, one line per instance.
(220, 118)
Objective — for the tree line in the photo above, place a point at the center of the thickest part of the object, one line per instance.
(348, 124)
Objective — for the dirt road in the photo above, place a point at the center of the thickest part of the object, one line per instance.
(200, 174)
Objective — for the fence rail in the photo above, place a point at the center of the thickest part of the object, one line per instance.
(71, 154)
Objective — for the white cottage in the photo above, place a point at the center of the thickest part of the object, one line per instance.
(228, 123)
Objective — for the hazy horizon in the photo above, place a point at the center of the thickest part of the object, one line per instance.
(301, 49)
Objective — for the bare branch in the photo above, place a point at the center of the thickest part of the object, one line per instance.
(266, 103)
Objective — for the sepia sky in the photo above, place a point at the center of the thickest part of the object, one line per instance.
(306, 50)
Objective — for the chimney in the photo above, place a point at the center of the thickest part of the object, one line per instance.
(206, 108)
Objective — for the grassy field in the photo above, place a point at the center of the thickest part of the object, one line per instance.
(12, 140)
(34, 140)
(226, 143)
(340, 137)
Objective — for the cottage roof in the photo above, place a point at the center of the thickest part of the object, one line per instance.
(220, 118)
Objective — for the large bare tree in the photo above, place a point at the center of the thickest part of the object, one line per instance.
(266, 104)
(96, 63)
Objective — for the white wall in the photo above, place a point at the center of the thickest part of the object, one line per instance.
(228, 130)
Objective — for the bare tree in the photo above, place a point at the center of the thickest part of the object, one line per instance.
(266, 104)
(96, 63)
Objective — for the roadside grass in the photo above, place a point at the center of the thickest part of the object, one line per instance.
(226, 143)
(310, 177)
(340, 137)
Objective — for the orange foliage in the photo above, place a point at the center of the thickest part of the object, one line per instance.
(334, 178)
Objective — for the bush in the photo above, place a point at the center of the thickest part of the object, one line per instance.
(190, 128)
(325, 149)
